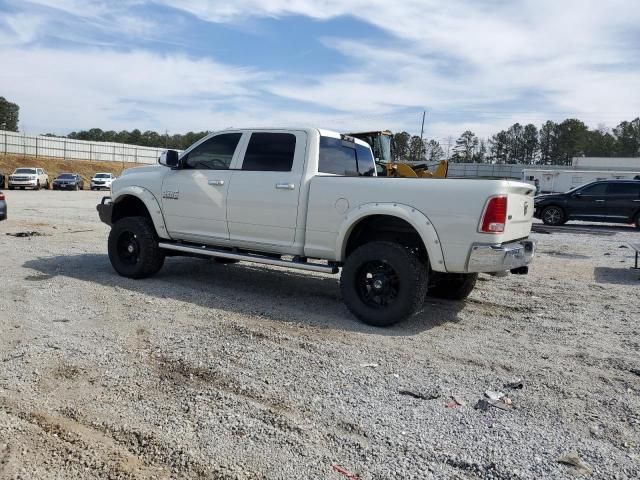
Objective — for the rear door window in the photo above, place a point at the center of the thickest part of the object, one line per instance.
(340, 157)
(630, 189)
(270, 152)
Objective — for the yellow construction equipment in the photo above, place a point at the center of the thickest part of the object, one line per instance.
(381, 144)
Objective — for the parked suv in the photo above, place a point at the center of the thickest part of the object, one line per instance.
(612, 201)
(102, 180)
(35, 178)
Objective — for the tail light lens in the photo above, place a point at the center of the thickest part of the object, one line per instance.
(1, 196)
(494, 217)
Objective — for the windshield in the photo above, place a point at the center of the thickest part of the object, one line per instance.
(103, 175)
(67, 176)
(28, 171)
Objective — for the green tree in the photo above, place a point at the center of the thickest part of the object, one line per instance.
(499, 147)
(401, 146)
(9, 115)
(628, 138)
(548, 139)
(530, 144)
(466, 145)
(571, 141)
(417, 149)
(435, 153)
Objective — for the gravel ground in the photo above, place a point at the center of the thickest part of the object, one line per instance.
(245, 371)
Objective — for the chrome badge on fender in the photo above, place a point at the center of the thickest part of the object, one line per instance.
(174, 195)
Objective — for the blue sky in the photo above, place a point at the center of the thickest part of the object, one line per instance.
(349, 65)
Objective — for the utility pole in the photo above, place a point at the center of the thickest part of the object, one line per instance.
(424, 112)
(449, 140)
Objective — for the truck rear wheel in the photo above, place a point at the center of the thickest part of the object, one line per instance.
(453, 286)
(133, 248)
(383, 283)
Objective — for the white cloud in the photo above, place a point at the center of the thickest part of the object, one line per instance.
(478, 65)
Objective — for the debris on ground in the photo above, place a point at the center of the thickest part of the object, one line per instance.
(27, 234)
(346, 473)
(494, 396)
(369, 365)
(515, 385)
(635, 370)
(483, 404)
(431, 394)
(458, 400)
(578, 466)
(623, 246)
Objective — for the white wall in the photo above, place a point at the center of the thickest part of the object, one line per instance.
(607, 163)
(40, 146)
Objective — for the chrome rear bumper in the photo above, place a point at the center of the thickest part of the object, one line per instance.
(502, 257)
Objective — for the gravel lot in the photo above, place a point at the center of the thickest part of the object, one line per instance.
(244, 371)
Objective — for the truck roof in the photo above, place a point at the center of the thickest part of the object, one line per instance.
(322, 131)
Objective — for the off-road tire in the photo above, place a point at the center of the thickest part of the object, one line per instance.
(146, 259)
(47, 185)
(37, 185)
(453, 286)
(549, 218)
(409, 277)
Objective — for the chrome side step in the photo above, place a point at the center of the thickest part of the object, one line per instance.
(247, 257)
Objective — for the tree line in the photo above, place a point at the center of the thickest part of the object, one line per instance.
(177, 141)
(551, 144)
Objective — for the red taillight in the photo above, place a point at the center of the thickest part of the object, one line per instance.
(1, 196)
(495, 215)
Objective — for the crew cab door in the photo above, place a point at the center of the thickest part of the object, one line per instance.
(262, 205)
(589, 201)
(194, 196)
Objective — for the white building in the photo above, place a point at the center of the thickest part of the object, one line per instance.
(606, 163)
(558, 181)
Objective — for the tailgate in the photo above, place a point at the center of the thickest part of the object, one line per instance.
(519, 210)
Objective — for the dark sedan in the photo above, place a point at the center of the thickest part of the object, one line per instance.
(611, 201)
(68, 181)
(3, 207)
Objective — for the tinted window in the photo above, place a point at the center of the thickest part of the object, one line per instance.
(624, 189)
(366, 163)
(68, 176)
(214, 154)
(337, 158)
(597, 189)
(30, 171)
(271, 152)
(340, 157)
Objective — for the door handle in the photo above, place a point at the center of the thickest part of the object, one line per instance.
(285, 186)
(216, 182)
(599, 201)
(636, 200)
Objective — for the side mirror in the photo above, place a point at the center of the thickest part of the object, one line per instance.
(577, 194)
(169, 158)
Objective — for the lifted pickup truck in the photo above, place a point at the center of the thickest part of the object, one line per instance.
(310, 199)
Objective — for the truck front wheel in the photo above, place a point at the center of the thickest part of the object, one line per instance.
(453, 286)
(383, 283)
(133, 248)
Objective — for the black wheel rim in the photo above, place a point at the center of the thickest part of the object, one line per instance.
(552, 215)
(128, 248)
(377, 284)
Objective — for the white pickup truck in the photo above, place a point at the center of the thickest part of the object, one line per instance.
(311, 199)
